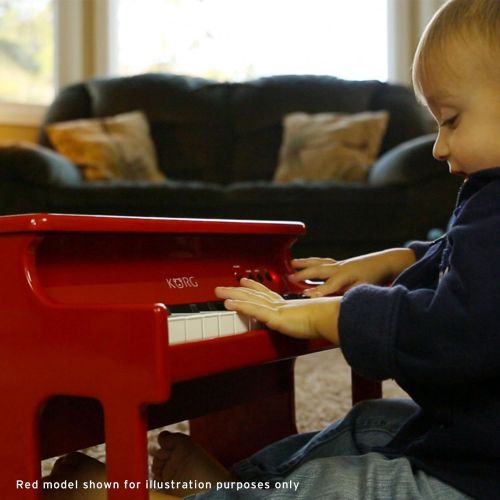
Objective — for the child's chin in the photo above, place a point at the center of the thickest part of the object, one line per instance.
(459, 173)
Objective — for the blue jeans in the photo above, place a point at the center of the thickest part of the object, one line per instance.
(336, 463)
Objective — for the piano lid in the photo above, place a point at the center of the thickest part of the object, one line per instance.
(44, 222)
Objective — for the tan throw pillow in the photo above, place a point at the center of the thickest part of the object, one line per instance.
(117, 147)
(327, 146)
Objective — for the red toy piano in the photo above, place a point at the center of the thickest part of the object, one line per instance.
(109, 326)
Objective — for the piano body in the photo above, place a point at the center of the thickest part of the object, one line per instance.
(110, 327)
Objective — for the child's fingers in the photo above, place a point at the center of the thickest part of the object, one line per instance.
(311, 262)
(259, 287)
(254, 285)
(323, 271)
(301, 263)
(246, 294)
(249, 290)
(333, 285)
(261, 312)
(238, 293)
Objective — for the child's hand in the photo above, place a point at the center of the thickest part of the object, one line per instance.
(304, 319)
(375, 268)
(339, 276)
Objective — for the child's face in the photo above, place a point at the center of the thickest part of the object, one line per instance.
(466, 107)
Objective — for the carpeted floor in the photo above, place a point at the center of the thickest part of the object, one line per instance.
(322, 382)
(323, 389)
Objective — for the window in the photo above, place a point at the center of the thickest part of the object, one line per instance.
(243, 39)
(26, 51)
(46, 44)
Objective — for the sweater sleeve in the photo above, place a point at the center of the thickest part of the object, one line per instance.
(420, 247)
(451, 331)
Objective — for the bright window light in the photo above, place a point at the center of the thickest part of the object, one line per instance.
(26, 51)
(243, 39)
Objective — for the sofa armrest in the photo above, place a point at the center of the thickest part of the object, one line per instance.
(36, 165)
(408, 163)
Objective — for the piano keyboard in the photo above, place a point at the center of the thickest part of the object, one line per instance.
(192, 327)
(209, 320)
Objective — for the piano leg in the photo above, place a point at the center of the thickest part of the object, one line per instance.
(20, 453)
(237, 432)
(126, 451)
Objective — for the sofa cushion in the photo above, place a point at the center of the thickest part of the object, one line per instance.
(258, 108)
(330, 145)
(188, 118)
(117, 147)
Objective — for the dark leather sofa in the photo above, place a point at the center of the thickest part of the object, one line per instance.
(218, 144)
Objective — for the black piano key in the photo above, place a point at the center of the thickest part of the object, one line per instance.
(214, 306)
(180, 309)
(196, 307)
(294, 296)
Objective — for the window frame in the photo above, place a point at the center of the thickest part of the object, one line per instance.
(78, 53)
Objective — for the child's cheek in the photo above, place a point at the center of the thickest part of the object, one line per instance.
(462, 148)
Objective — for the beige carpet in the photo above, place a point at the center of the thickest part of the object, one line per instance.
(323, 389)
(322, 395)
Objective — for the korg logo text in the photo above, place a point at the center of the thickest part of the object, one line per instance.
(182, 282)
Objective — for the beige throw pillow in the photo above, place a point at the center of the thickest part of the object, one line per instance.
(117, 147)
(328, 146)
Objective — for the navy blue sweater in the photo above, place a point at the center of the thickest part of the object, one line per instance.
(436, 331)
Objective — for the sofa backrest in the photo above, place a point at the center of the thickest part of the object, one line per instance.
(226, 132)
(258, 108)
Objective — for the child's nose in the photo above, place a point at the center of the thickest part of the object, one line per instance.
(440, 150)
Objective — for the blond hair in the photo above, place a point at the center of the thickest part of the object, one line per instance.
(465, 21)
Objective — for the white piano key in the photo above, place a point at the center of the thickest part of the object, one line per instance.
(191, 327)
(194, 327)
(176, 329)
(210, 325)
(226, 323)
(240, 323)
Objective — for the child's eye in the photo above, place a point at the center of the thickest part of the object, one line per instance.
(449, 122)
